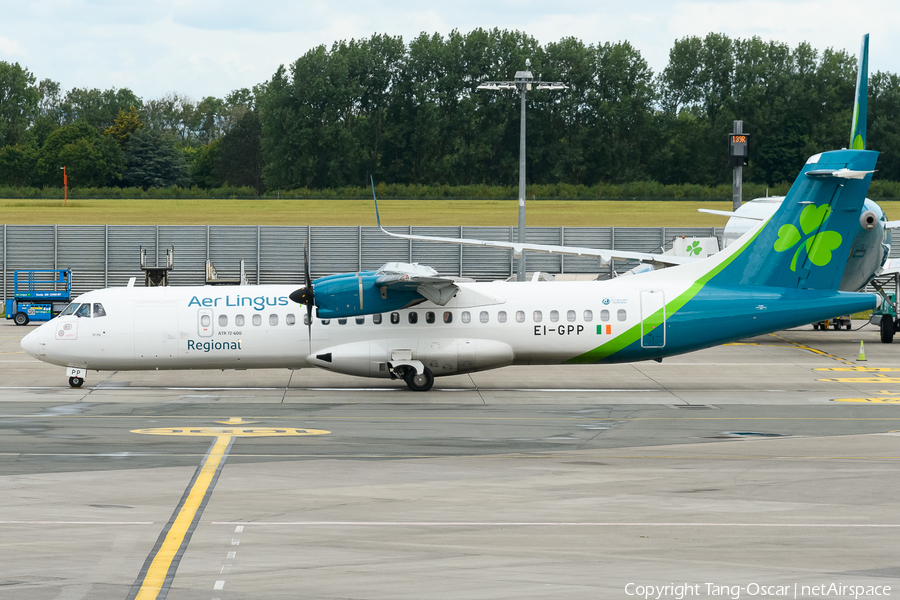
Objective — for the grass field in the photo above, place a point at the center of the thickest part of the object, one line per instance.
(549, 213)
(359, 212)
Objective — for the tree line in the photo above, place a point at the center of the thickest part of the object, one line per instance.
(409, 115)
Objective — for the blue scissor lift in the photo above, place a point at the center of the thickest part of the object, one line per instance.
(39, 294)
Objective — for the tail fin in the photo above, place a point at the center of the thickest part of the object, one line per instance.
(806, 243)
(860, 105)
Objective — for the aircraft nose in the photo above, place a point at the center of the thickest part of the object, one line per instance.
(31, 343)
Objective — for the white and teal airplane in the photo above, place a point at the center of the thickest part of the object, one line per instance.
(407, 322)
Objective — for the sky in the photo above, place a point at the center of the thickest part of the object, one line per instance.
(208, 48)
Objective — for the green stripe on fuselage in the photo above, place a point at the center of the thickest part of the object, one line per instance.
(625, 339)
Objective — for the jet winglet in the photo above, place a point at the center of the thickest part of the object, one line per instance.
(728, 213)
(860, 105)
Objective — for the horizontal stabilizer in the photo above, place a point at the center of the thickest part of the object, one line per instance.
(843, 173)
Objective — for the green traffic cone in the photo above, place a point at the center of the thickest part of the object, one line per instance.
(862, 351)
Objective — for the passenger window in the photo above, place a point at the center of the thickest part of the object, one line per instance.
(429, 317)
(376, 319)
(257, 320)
(395, 318)
(223, 320)
(483, 317)
(273, 320)
(604, 315)
(326, 321)
(537, 316)
(290, 319)
(84, 311)
(413, 318)
(239, 321)
(588, 316)
(570, 316)
(360, 320)
(448, 317)
(70, 309)
(465, 317)
(342, 321)
(204, 319)
(501, 316)
(554, 316)
(520, 316)
(621, 314)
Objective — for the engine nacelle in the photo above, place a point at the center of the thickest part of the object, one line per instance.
(355, 294)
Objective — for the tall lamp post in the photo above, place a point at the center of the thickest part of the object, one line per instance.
(65, 187)
(524, 82)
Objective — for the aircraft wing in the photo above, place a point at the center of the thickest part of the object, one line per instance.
(603, 255)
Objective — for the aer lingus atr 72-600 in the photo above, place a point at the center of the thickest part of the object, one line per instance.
(407, 322)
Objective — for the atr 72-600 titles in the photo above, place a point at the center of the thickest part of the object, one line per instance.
(407, 322)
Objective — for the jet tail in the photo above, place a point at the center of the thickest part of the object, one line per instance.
(806, 243)
(860, 105)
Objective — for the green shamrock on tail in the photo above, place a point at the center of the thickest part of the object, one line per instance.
(694, 248)
(819, 246)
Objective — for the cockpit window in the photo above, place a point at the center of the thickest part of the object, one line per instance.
(98, 310)
(70, 309)
(84, 311)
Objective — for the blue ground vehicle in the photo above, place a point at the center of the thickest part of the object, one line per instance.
(38, 295)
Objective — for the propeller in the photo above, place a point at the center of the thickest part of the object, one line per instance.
(306, 295)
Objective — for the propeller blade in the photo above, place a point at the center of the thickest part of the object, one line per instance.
(310, 295)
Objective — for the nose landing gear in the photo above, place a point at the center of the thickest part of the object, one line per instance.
(76, 382)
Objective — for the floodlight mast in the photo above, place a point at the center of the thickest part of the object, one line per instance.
(524, 82)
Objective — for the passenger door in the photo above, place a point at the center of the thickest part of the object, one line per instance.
(653, 319)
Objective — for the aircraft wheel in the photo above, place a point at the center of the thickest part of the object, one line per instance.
(887, 329)
(76, 382)
(20, 319)
(849, 325)
(419, 382)
(815, 326)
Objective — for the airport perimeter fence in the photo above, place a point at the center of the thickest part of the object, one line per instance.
(108, 255)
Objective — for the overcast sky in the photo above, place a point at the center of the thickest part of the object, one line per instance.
(206, 47)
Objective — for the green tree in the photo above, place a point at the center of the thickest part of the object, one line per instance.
(239, 161)
(152, 160)
(98, 108)
(90, 158)
(18, 102)
(884, 123)
(17, 164)
(124, 126)
(202, 165)
(91, 162)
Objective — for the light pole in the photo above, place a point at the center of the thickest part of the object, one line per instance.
(65, 187)
(524, 82)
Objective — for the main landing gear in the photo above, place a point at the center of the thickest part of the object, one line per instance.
(419, 382)
(887, 329)
(76, 382)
